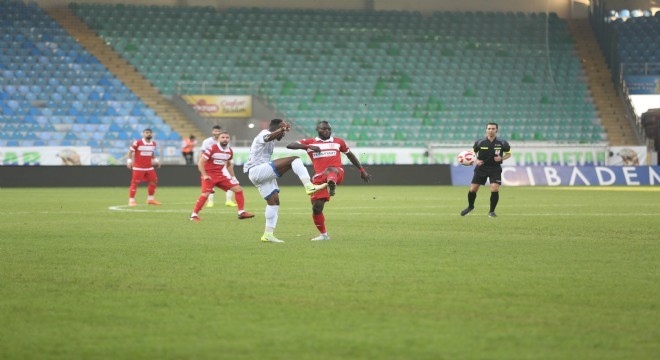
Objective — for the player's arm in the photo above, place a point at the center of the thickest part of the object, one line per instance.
(129, 159)
(476, 149)
(154, 160)
(506, 156)
(230, 169)
(200, 166)
(284, 127)
(297, 145)
(354, 160)
(507, 151)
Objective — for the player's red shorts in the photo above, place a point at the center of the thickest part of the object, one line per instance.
(144, 176)
(222, 182)
(323, 178)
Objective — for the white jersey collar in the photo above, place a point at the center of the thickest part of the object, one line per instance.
(330, 139)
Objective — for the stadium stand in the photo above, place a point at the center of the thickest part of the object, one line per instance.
(637, 45)
(54, 93)
(384, 78)
(630, 43)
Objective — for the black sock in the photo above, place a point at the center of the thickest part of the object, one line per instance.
(494, 198)
(471, 197)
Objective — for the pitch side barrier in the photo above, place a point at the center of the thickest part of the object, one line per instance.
(533, 164)
(179, 175)
(523, 154)
(175, 175)
(567, 175)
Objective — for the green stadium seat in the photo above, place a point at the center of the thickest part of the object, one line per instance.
(432, 71)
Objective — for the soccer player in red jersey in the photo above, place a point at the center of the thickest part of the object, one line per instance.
(325, 152)
(211, 165)
(141, 158)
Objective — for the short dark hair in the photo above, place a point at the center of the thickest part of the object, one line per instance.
(322, 122)
(493, 123)
(217, 127)
(275, 122)
(224, 132)
(147, 129)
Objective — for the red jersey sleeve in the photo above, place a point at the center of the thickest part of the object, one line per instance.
(342, 146)
(306, 141)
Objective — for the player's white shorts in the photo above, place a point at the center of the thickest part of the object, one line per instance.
(264, 177)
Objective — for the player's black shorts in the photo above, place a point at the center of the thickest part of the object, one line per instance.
(481, 175)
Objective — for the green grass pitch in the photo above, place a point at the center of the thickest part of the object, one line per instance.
(560, 274)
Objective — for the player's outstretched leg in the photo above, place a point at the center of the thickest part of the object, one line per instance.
(294, 163)
(271, 223)
(151, 190)
(494, 199)
(131, 194)
(319, 220)
(199, 205)
(229, 199)
(471, 197)
(333, 178)
(270, 237)
(240, 199)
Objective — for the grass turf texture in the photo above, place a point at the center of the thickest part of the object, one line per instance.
(560, 274)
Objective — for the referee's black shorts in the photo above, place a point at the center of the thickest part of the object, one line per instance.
(481, 175)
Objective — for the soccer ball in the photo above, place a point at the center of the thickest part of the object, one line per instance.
(466, 158)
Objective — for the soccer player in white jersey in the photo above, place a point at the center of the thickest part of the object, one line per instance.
(263, 172)
(325, 152)
(215, 133)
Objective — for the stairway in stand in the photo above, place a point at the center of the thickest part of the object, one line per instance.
(125, 72)
(609, 105)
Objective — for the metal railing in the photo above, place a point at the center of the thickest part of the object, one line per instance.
(184, 87)
(639, 69)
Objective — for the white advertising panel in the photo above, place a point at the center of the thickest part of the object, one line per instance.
(45, 155)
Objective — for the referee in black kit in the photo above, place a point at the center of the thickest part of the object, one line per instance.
(491, 151)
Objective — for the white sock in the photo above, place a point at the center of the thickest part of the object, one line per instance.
(299, 168)
(193, 214)
(271, 217)
(210, 199)
(150, 197)
(230, 195)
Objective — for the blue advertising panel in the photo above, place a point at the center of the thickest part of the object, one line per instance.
(566, 175)
(638, 85)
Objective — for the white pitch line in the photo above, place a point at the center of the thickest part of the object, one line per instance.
(138, 208)
(343, 213)
(216, 211)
